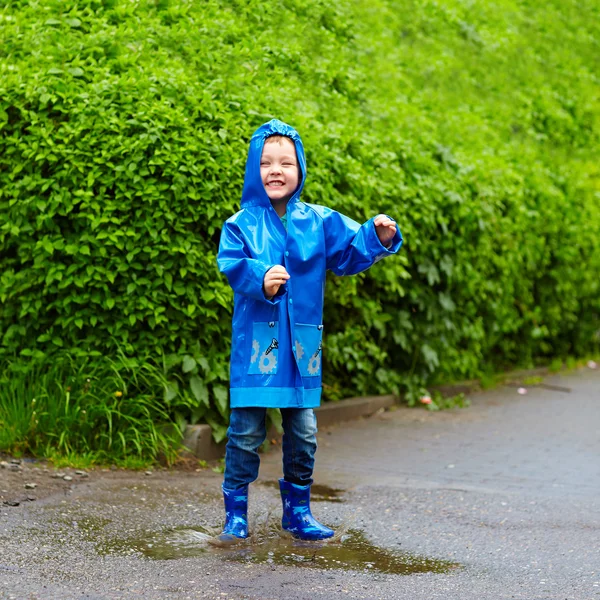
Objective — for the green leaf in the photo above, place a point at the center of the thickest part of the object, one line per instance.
(199, 390)
(170, 361)
(222, 399)
(219, 434)
(171, 391)
(188, 364)
(197, 414)
(431, 356)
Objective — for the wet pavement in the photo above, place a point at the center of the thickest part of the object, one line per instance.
(499, 500)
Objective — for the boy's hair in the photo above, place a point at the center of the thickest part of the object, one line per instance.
(278, 138)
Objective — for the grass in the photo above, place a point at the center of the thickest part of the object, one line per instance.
(87, 411)
(489, 381)
(94, 411)
(533, 380)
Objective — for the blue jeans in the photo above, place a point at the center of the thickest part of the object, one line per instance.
(247, 432)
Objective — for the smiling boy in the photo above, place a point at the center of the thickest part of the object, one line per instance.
(275, 253)
(279, 171)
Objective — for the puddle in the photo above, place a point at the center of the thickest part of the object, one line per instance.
(90, 526)
(318, 492)
(169, 545)
(352, 551)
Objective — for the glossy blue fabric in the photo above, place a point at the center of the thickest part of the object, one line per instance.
(276, 344)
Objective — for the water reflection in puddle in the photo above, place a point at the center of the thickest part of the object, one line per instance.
(318, 492)
(350, 551)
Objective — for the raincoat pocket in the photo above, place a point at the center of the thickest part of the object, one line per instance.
(308, 348)
(265, 348)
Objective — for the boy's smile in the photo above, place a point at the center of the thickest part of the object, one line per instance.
(279, 170)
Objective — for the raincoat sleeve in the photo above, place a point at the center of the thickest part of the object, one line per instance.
(351, 247)
(245, 274)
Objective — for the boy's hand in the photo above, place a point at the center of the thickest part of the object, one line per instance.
(275, 277)
(385, 228)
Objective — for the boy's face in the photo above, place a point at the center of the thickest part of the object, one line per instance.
(279, 169)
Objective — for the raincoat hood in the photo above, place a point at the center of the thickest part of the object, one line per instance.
(254, 193)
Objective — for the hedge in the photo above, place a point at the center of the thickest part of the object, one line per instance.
(123, 135)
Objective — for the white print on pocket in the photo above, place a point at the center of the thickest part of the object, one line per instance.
(309, 348)
(255, 351)
(265, 347)
(268, 361)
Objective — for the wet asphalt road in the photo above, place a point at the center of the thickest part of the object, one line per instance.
(509, 489)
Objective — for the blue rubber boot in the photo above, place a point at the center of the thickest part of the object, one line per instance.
(236, 515)
(297, 518)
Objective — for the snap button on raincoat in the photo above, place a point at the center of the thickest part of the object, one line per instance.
(276, 347)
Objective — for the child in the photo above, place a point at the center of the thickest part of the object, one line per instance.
(275, 252)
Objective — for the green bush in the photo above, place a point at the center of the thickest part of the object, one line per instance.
(123, 137)
(95, 411)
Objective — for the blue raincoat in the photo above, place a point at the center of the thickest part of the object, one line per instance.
(276, 352)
